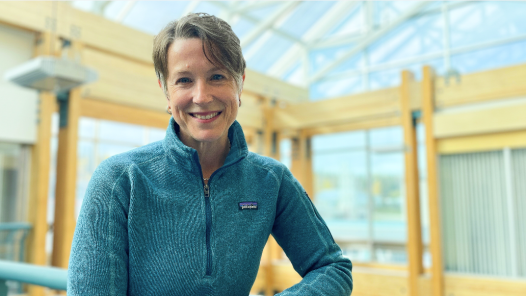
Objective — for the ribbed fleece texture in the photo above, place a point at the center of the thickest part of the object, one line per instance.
(142, 229)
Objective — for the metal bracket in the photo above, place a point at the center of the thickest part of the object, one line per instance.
(415, 115)
(451, 73)
(274, 143)
(63, 103)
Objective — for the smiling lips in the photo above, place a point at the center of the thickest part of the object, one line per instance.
(205, 116)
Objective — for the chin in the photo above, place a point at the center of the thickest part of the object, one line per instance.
(207, 136)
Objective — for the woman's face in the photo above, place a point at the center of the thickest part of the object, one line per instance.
(203, 98)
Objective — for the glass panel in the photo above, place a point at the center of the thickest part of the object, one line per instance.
(156, 134)
(121, 133)
(11, 175)
(390, 137)
(338, 141)
(356, 252)
(388, 193)
(87, 127)
(285, 152)
(390, 254)
(14, 172)
(360, 192)
(340, 186)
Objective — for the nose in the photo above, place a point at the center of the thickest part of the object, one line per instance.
(202, 93)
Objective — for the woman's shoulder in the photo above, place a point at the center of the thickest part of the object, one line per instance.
(117, 164)
(267, 163)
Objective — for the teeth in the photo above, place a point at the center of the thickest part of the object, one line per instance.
(206, 116)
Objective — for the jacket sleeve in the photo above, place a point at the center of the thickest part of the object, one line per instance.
(98, 263)
(304, 236)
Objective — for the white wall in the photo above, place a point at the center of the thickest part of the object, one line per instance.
(18, 106)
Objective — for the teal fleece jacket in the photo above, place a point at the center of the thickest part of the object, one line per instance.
(150, 226)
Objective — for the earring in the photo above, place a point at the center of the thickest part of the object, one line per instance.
(168, 110)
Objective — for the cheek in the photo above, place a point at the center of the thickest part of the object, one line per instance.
(177, 100)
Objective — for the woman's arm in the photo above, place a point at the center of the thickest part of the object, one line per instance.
(98, 263)
(305, 238)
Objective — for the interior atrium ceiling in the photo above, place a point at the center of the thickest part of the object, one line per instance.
(341, 47)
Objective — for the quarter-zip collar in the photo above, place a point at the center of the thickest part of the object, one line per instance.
(188, 158)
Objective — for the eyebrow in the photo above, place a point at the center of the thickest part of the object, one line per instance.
(184, 72)
(216, 69)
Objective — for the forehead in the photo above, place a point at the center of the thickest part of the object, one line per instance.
(186, 51)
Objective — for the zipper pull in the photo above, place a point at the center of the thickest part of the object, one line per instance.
(207, 190)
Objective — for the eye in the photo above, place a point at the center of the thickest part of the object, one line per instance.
(184, 80)
(217, 77)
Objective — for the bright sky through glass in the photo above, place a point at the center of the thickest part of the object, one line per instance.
(366, 44)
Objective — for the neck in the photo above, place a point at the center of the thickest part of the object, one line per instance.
(212, 155)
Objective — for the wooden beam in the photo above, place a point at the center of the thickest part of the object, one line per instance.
(270, 149)
(424, 285)
(415, 88)
(414, 230)
(493, 118)
(306, 164)
(465, 285)
(428, 108)
(66, 178)
(122, 81)
(301, 166)
(64, 225)
(358, 125)
(251, 114)
(260, 282)
(40, 166)
(378, 281)
(115, 112)
(274, 88)
(349, 109)
(38, 196)
(486, 142)
(502, 83)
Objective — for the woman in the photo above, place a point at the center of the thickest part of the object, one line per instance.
(190, 215)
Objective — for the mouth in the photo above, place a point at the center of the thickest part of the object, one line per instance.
(205, 115)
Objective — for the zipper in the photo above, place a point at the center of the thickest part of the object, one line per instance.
(208, 212)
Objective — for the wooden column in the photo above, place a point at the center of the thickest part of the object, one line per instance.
(428, 106)
(270, 149)
(414, 230)
(65, 221)
(306, 163)
(40, 166)
(301, 166)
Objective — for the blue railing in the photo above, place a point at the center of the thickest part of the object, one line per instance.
(12, 244)
(12, 240)
(51, 277)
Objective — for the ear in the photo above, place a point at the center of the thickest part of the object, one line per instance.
(159, 82)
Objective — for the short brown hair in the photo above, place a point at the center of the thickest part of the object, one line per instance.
(219, 41)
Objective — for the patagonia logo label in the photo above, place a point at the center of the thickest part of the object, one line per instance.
(248, 205)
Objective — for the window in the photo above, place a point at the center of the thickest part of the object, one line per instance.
(359, 191)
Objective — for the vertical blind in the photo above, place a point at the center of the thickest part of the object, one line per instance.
(483, 199)
(519, 181)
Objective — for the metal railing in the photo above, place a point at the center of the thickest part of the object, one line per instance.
(11, 235)
(51, 277)
(12, 244)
